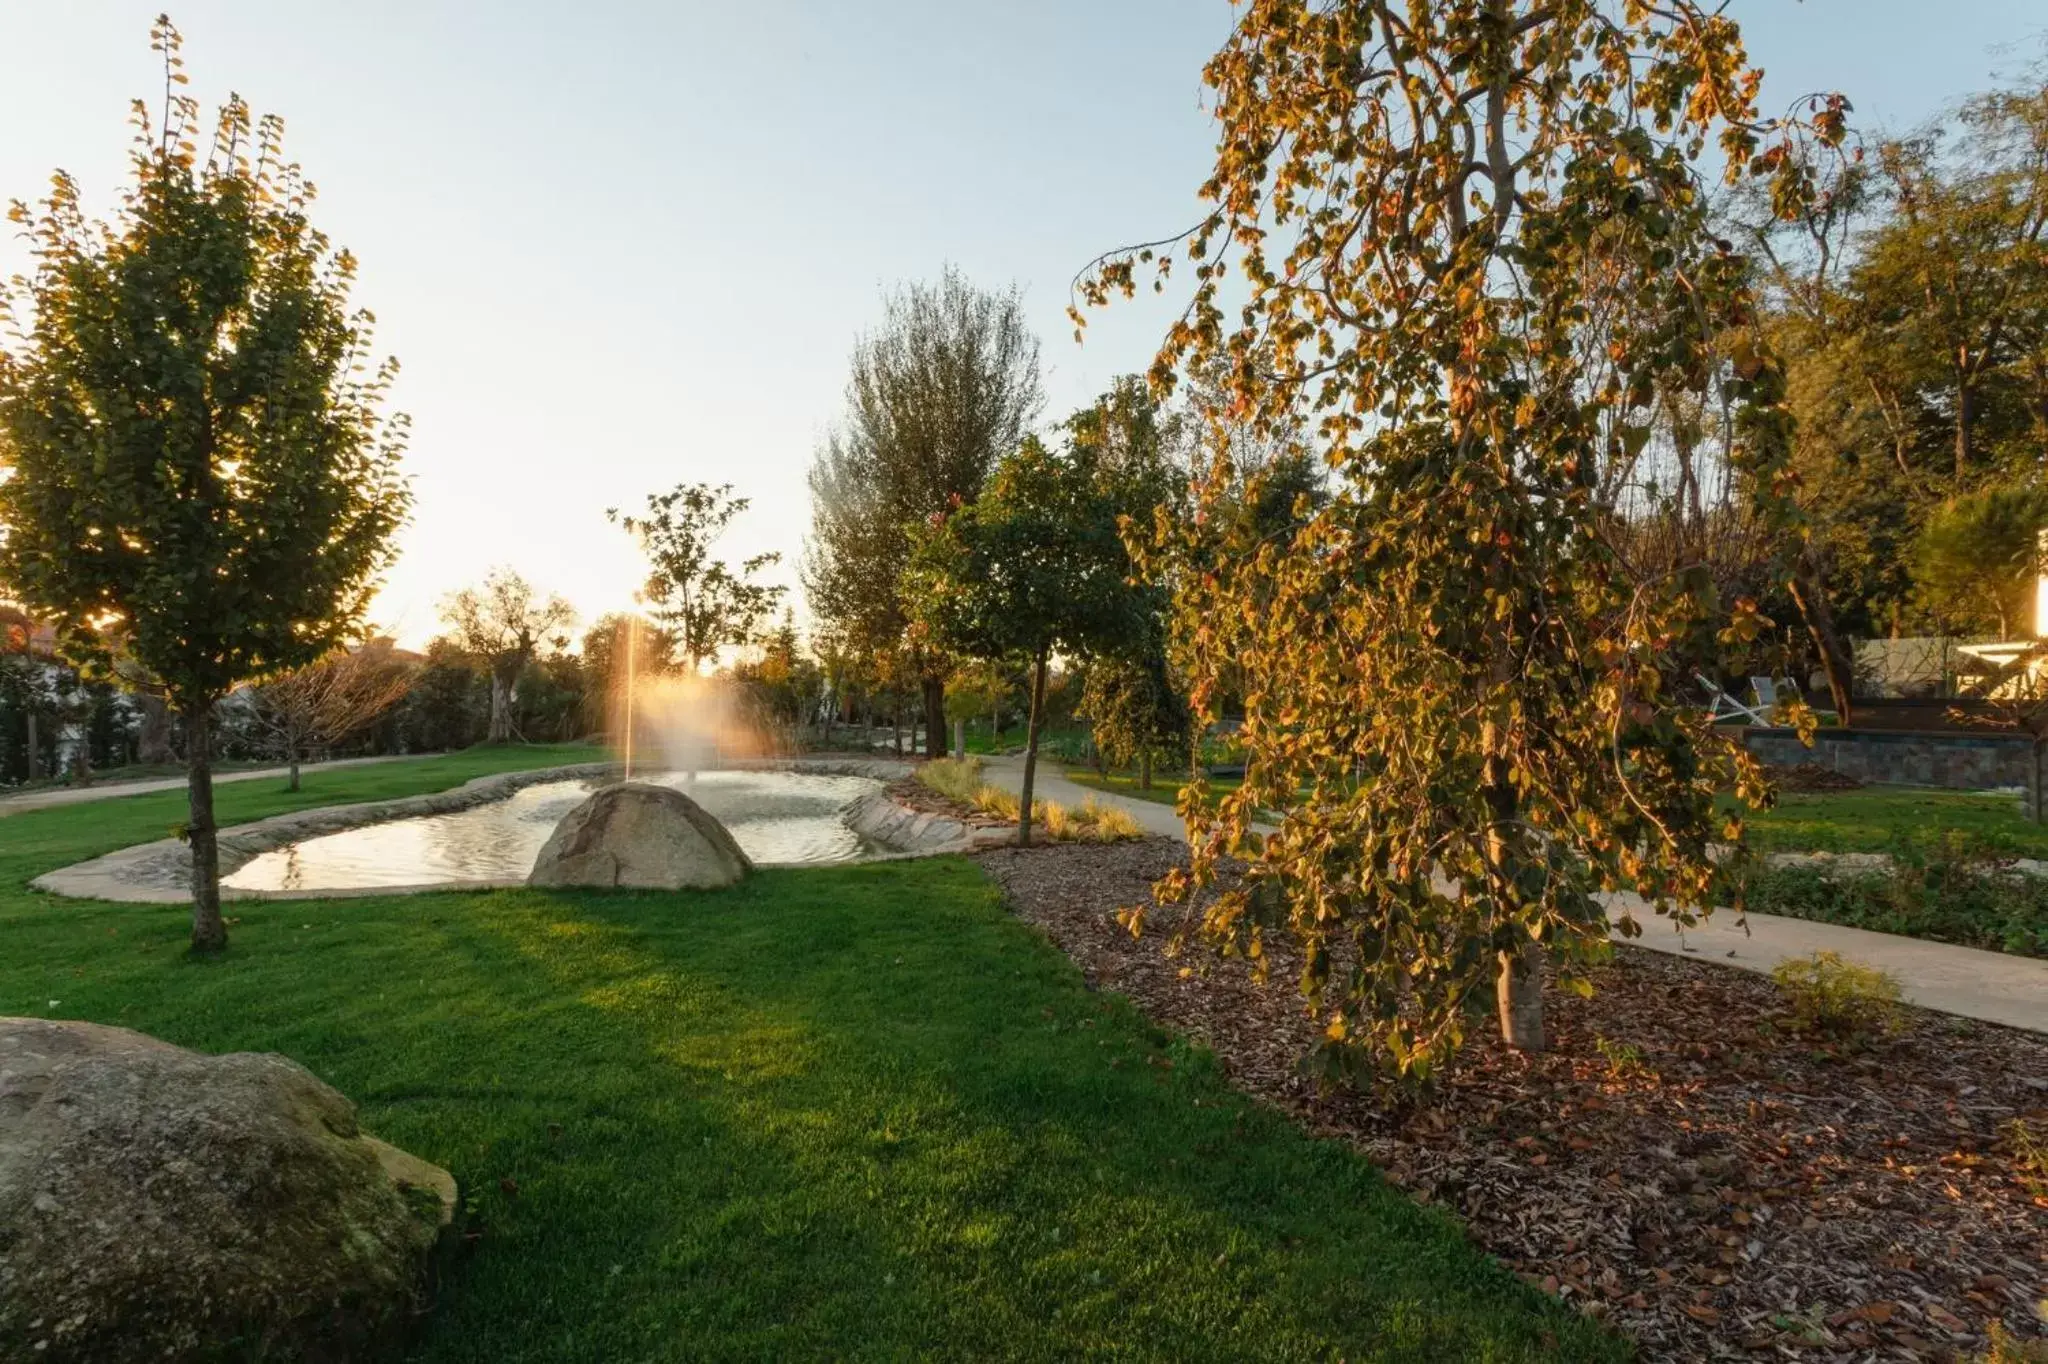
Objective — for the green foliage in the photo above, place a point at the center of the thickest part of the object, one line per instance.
(198, 461)
(853, 1113)
(1136, 714)
(954, 778)
(1034, 565)
(1959, 899)
(1492, 267)
(704, 603)
(943, 389)
(504, 624)
(195, 472)
(1837, 998)
(449, 705)
(1911, 303)
(1976, 559)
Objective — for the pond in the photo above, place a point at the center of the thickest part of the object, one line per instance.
(777, 817)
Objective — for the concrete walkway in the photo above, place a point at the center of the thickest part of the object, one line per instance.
(107, 790)
(1992, 986)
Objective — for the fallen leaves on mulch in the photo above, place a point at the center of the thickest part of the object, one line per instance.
(1812, 777)
(1680, 1163)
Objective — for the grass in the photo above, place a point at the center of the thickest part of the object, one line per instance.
(856, 1112)
(1896, 819)
(1165, 788)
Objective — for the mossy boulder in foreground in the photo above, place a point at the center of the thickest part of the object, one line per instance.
(156, 1203)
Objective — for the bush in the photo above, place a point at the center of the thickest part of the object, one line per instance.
(1108, 824)
(1961, 897)
(1837, 997)
(954, 778)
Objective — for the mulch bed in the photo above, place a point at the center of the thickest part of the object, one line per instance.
(1812, 777)
(1681, 1163)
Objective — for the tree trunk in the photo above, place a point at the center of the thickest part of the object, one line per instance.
(291, 756)
(209, 933)
(935, 717)
(35, 753)
(1520, 990)
(501, 709)
(2037, 779)
(153, 746)
(1144, 769)
(896, 725)
(1810, 595)
(1519, 981)
(1031, 750)
(960, 740)
(1966, 413)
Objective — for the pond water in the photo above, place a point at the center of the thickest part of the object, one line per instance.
(774, 816)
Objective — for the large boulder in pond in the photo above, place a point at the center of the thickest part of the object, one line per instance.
(643, 837)
(159, 1204)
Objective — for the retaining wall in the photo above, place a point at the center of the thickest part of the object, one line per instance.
(1963, 762)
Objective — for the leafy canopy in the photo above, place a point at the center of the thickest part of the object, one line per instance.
(190, 423)
(704, 602)
(1977, 557)
(1035, 565)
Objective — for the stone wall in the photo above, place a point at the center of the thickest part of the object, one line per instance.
(1964, 762)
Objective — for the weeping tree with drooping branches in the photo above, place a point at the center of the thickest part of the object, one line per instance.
(1465, 711)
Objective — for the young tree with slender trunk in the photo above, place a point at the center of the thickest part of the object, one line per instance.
(329, 700)
(1467, 716)
(1035, 566)
(503, 623)
(199, 464)
(704, 603)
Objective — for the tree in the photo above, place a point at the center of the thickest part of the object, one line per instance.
(703, 602)
(946, 387)
(503, 623)
(1978, 556)
(1034, 566)
(198, 461)
(1135, 712)
(330, 700)
(1465, 713)
(1910, 299)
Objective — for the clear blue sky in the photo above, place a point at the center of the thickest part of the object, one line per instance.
(621, 245)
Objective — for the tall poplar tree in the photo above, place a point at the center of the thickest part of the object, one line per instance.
(947, 386)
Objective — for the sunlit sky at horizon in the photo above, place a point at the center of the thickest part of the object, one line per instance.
(620, 246)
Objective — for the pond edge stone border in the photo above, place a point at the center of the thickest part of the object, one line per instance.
(160, 872)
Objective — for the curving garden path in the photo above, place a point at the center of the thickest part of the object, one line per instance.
(113, 786)
(1992, 986)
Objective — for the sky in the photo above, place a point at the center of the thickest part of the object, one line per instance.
(619, 246)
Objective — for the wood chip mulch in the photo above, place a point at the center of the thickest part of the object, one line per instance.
(1813, 777)
(1681, 1163)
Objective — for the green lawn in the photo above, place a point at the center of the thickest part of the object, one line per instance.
(840, 1113)
(1911, 820)
(1165, 785)
(1896, 819)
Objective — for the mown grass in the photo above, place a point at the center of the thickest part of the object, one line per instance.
(1896, 819)
(857, 1112)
